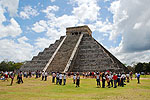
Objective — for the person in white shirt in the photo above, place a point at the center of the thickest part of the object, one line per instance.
(43, 75)
(46, 74)
(74, 78)
(60, 78)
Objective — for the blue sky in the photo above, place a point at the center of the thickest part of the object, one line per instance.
(29, 26)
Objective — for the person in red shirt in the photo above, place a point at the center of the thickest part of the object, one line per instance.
(115, 80)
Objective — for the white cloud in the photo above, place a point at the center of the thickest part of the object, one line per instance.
(137, 25)
(2, 17)
(13, 29)
(52, 0)
(131, 19)
(42, 43)
(40, 26)
(16, 51)
(86, 10)
(10, 5)
(28, 12)
(50, 11)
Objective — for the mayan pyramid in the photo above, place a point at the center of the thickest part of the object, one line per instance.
(77, 51)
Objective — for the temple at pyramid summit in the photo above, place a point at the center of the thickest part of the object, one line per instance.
(77, 51)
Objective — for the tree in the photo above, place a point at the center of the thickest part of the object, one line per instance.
(139, 67)
(9, 66)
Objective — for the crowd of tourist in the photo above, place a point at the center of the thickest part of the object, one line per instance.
(102, 78)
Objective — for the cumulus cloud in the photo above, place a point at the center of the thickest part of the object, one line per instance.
(13, 29)
(28, 12)
(39, 26)
(86, 10)
(131, 19)
(42, 43)
(50, 11)
(52, 0)
(11, 5)
(16, 51)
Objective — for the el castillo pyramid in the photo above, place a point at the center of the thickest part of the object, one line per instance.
(78, 51)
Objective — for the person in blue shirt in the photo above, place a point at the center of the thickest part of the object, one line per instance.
(138, 78)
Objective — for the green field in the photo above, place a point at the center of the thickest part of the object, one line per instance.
(35, 89)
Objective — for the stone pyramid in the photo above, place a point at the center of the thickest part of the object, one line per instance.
(78, 51)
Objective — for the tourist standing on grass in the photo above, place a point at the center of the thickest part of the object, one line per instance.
(43, 75)
(20, 77)
(46, 74)
(138, 77)
(135, 75)
(115, 80)
(131, 75)
(60, 78)
(74, 78)
(53, 77)
(40, 74)
(103, 80)
(78, 80)
(111, 79)
(12, 77)
(127, 75)
(29, 74)
(118, 79)
(37, 74)
(98, 79)
(6, 75)
(122, 79)
(57, 78)
(64, 78)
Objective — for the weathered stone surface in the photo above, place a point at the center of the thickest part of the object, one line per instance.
(39, 62)
(92, 56)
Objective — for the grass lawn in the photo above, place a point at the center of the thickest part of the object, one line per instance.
(35, 89)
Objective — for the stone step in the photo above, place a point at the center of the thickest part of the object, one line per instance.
(61, 58)
(39, 62)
